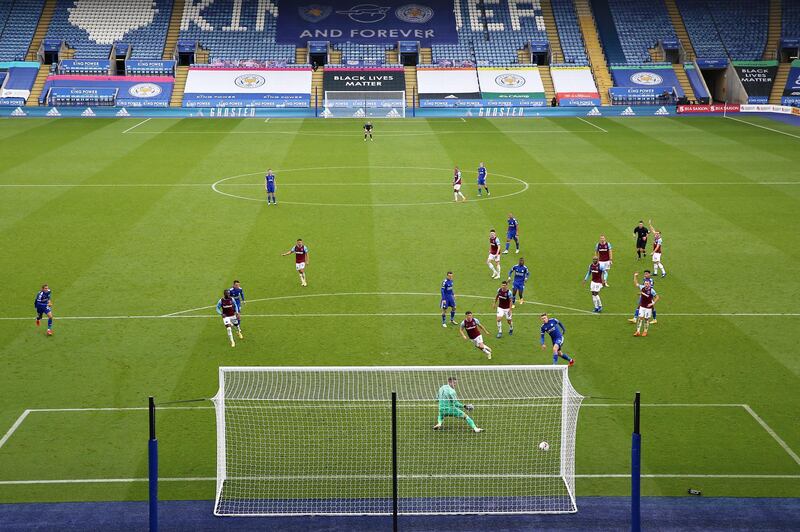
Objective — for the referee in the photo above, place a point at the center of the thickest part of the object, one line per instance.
(641, 233)
(368, 131)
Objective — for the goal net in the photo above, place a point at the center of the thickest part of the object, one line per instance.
(303, 441)
(364, 104)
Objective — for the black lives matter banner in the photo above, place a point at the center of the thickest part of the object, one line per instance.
(364, 79)
(757, 78)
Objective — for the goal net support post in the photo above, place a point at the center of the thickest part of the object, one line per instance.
(364, 104)
(328, 441)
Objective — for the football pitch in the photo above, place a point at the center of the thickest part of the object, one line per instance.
(138, 226)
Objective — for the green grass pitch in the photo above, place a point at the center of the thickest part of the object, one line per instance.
(124, 225)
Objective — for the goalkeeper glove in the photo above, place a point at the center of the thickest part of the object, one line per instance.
(469, 407)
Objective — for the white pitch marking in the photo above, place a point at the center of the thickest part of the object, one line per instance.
(762, 127)
(14, 427)
(137, 125)
(591, 124)
(772, 433)
(462, 119)
(563, 183)
(349, 133)
(266, 120)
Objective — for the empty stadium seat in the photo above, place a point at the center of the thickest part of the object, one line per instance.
(727, 28)
(18, 21)
(569, 32)
(640, 25)
(791, 19)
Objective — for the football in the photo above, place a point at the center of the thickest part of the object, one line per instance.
(544, 446)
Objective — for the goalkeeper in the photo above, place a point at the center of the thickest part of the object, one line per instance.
(449, 405)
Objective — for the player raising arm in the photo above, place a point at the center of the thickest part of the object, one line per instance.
(457, 185)
(512, 233)
(502, 303)
(448, 299)
(43, 307)
(596, 273)
(450, 406)
(494, 255)
(520, 273)
(229, 310)
(657, 252)
(471, 330)
(300, 252)
(556, 330)
(652, 282)
(482, 180)
(647, 298)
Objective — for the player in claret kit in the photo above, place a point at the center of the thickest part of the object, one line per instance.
(596, 284)
(482, 180)
(450, 406)
(657, 242)
(269, 184)
(448, 300)
(512, 233)
(647, 278)
(300, 252)
(229, 310)
(604, 256)
(556, 330)
(471, 330)
(43, 306)
(502, 303)
(647, 299)
(494, 254)
(457, 185)
(520, 273)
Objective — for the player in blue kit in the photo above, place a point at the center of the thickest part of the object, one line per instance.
(269, 184)
(512, 233)
(556, 330)
(482, 180)
(520, 274)
(43, 308)
(237, 294)
(448, 300)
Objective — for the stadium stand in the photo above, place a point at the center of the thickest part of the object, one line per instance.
(249, 36)
(607, 31)
(594, 50)
(680, 28)
(727, 28)
(640, 25)
(18, 21)
(92, 27)
(569, 32)
(791, 19)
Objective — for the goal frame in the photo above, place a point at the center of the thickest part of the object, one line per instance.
(364, 103)
(219, 403)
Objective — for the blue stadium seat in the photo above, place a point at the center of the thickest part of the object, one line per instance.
(569, 32)
(18, 21)
(791, 19)
(727, 28)
(640, 25)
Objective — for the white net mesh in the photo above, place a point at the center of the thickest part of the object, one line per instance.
(363, 104)
(299, 441)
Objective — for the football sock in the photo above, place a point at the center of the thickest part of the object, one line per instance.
(491, 267)
(605, 275)
(479, 192)
(499, 326)
(440, 419)
(49, 323)
(555, 359)
(452, 315)
(516, 241)
(443, 318)
(638, 253)
(565, 357)
(663, 270)
(486, 350)
(487, 190)
(230, 333)
(654, 312)
(455, 196)
(507, 244)
(636, 313)
(470, 423)
(599, 302)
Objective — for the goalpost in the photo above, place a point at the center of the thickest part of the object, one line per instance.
(364, 104)
(321, 441)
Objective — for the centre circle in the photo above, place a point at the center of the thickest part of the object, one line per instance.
(445, 185)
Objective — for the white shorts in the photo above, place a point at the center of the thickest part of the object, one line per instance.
(493, 258)
(656, 257)
(606, 265)
(456, 188)
(300, 266)
(478, 341)
(229, 321)
(645, 313)
(503, 313)
(595, 287)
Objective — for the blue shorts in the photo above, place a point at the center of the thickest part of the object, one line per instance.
(511, 235)
(481, 181)
(449, 302)
(518, 287)
(271, 189)
(559, 341)
(42, 309)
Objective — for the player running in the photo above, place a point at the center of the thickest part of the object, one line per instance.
(647, 298)
(43, 306)
(605, 256)
(512, 233)
(596, 271)
(448, 300)
(502, 303)
(482, 180)
(556, 330)
(471, 330)
(457, 185)
(300, 252)
(269, 184)
(647, 277)
(657, 242)
(494, 254)
(641, 233)
(229, 310)
(237, 293)
(450, 406)
(520, 273)
(368, 131)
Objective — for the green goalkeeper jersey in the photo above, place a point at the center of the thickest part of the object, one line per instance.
(447, 398)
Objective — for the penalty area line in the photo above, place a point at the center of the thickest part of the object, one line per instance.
(772, 433)
(591, 124)
(762, 127)
(14, 428)
(137, 125)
